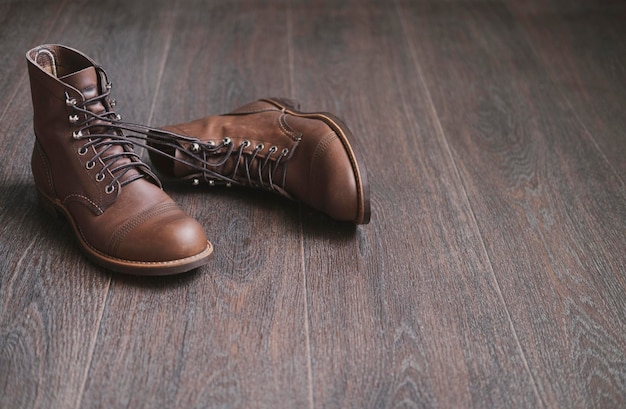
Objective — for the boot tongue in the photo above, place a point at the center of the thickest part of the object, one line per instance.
(86, 81)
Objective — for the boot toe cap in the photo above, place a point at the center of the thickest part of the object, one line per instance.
(334, 186)
(173, 238)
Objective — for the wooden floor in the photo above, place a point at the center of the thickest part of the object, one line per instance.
(492, 275)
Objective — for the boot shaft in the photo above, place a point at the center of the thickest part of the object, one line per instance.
(85, 167)
(47, 65)
(74, 124)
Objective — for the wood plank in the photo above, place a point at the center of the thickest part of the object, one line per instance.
(50, 298)
(581, 45)
(550, 208)
(56, 296)
(232, 334)
(405, 311)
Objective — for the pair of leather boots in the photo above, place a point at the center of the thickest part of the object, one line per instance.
(85, 167)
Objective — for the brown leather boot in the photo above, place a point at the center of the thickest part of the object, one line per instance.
(85, 168)
(270, 144)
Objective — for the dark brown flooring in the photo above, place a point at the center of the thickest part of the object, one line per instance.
(492, 275)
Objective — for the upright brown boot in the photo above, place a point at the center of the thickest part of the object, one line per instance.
(85, 168)
(270, 144)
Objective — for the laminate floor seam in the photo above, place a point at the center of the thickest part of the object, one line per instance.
(304, 282)
(92, 345)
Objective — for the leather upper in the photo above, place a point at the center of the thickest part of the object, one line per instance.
(315, 166)
(114, 203)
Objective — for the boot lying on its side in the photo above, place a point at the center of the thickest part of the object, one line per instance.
(270, 144)
(85, 168)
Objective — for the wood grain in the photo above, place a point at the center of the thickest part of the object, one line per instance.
(404, 312)
(233, 334)
(50, 299)
(492, 274)
(581, 50)
(540, 191)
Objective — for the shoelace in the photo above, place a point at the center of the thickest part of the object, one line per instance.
(102, 131)
(198, 156)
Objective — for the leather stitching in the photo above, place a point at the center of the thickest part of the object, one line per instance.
(253, 111)
(288, 130)
(322, 147)
(82, 198)
(130, 224)
(46, 167)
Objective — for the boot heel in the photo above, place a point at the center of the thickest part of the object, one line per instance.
(48, 206)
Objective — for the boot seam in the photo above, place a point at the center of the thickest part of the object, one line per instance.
(287, 129)
(46, 167)
(129, 225)
(82, 199)
(322, 147)
(253, 111)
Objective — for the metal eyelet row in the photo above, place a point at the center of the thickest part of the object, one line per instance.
(195, 147)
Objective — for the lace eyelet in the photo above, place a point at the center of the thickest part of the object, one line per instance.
(195, 148)
(285, 151)
(70, 102)
(109, 85)
(77, 134)
(73, 119)
(82, 151)
(211, 182)
(227, 141)
(90, 165)
(109, 189)
(246, 143)
(195, 182)
(273, 149)
(100, 177)
(260, 146)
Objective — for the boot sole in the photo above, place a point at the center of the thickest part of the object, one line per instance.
(140, 268)
(351, 147)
